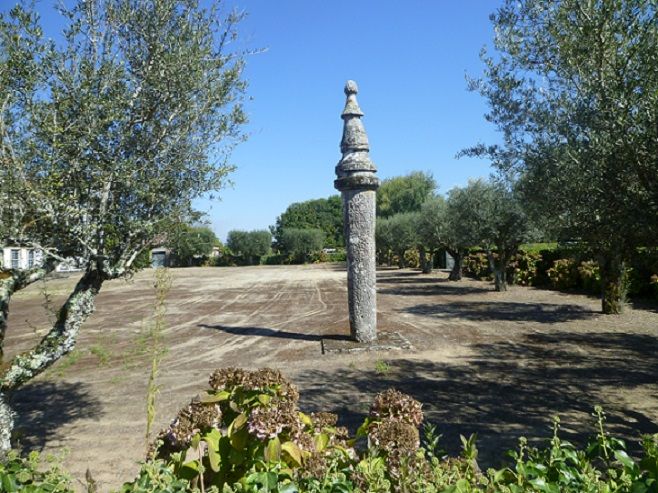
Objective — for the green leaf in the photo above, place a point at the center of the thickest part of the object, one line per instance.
(8, 483)
(363, 429)
(305, 419)
(293, 451)
(190, 470)
(195, 441)
(462, 486)
(220, 396)
(214, 458)
(321, 441)
(264, 399)
(239, 439)
(237, 423)
(273, 450)
(624, 459)
(288, 488)
(212, 439)
(236, 457)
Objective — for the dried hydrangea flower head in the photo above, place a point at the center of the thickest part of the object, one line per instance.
(322, 420)
(269, 421)
(396, 405)
(261, 379)
(392, 434)
(194, 418)
(227, 378)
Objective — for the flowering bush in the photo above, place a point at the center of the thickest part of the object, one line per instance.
(476, 265)
(265, 444)
(246, 435)
(246, 422)
(523, 268)
(590, 276)
(563, 274)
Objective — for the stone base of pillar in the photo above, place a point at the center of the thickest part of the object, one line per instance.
(386, 341)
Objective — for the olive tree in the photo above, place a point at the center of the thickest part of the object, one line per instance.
(573, 88)
(300, 244)
(191, 244)
(462, 227)
(431, 224)
(136, 116)
(489, 214)
(384, 241)
(403, 229)
(406, 193)
(251, 245)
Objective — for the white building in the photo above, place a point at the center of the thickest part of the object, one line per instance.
(21, 257)
(14, 257)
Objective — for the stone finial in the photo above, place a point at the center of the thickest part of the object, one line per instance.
(351, 105)
(355, 169)
(351, 88)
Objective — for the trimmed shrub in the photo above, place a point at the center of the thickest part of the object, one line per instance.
(522, 270)
(590, 276)
(301, 244)
(476, 266)
(563, 274)
(412, 258)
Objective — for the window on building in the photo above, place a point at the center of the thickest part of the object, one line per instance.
(30, 259)
(15, 258)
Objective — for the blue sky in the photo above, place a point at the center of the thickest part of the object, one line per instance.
(409, 59)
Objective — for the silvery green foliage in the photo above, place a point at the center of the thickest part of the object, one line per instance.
(573, 88)
(108, 138)
(144, 106)
(489, 214)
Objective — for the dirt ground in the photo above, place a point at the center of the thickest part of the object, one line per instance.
(499, 364)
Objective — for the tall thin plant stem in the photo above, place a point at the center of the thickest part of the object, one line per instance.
(163, 281)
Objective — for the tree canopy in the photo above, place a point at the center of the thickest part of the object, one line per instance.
(489, 214)
(404, 193)
(300, 244)
(323, 214)
(251, 245)
(108, 140)
(573, 88)
(191, 243)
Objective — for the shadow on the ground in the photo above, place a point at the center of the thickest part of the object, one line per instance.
(280, 334)
(435, 288)
(418, 284)
(407, 278)
(503, 310)
(42, 408)
(645, 304)
(507, 390)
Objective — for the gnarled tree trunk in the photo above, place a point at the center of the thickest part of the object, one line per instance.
(425, 259)
(499, 270)
(6, 425)
(402, 263)
(15, 280)
(456, 272)
(613, 286)
(59, 341)
(10, 282)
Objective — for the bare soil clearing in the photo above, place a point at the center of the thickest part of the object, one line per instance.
(499, 364)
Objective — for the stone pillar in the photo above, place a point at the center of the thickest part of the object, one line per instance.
(357, 183)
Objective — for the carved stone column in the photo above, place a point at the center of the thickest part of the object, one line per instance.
(357, 183)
